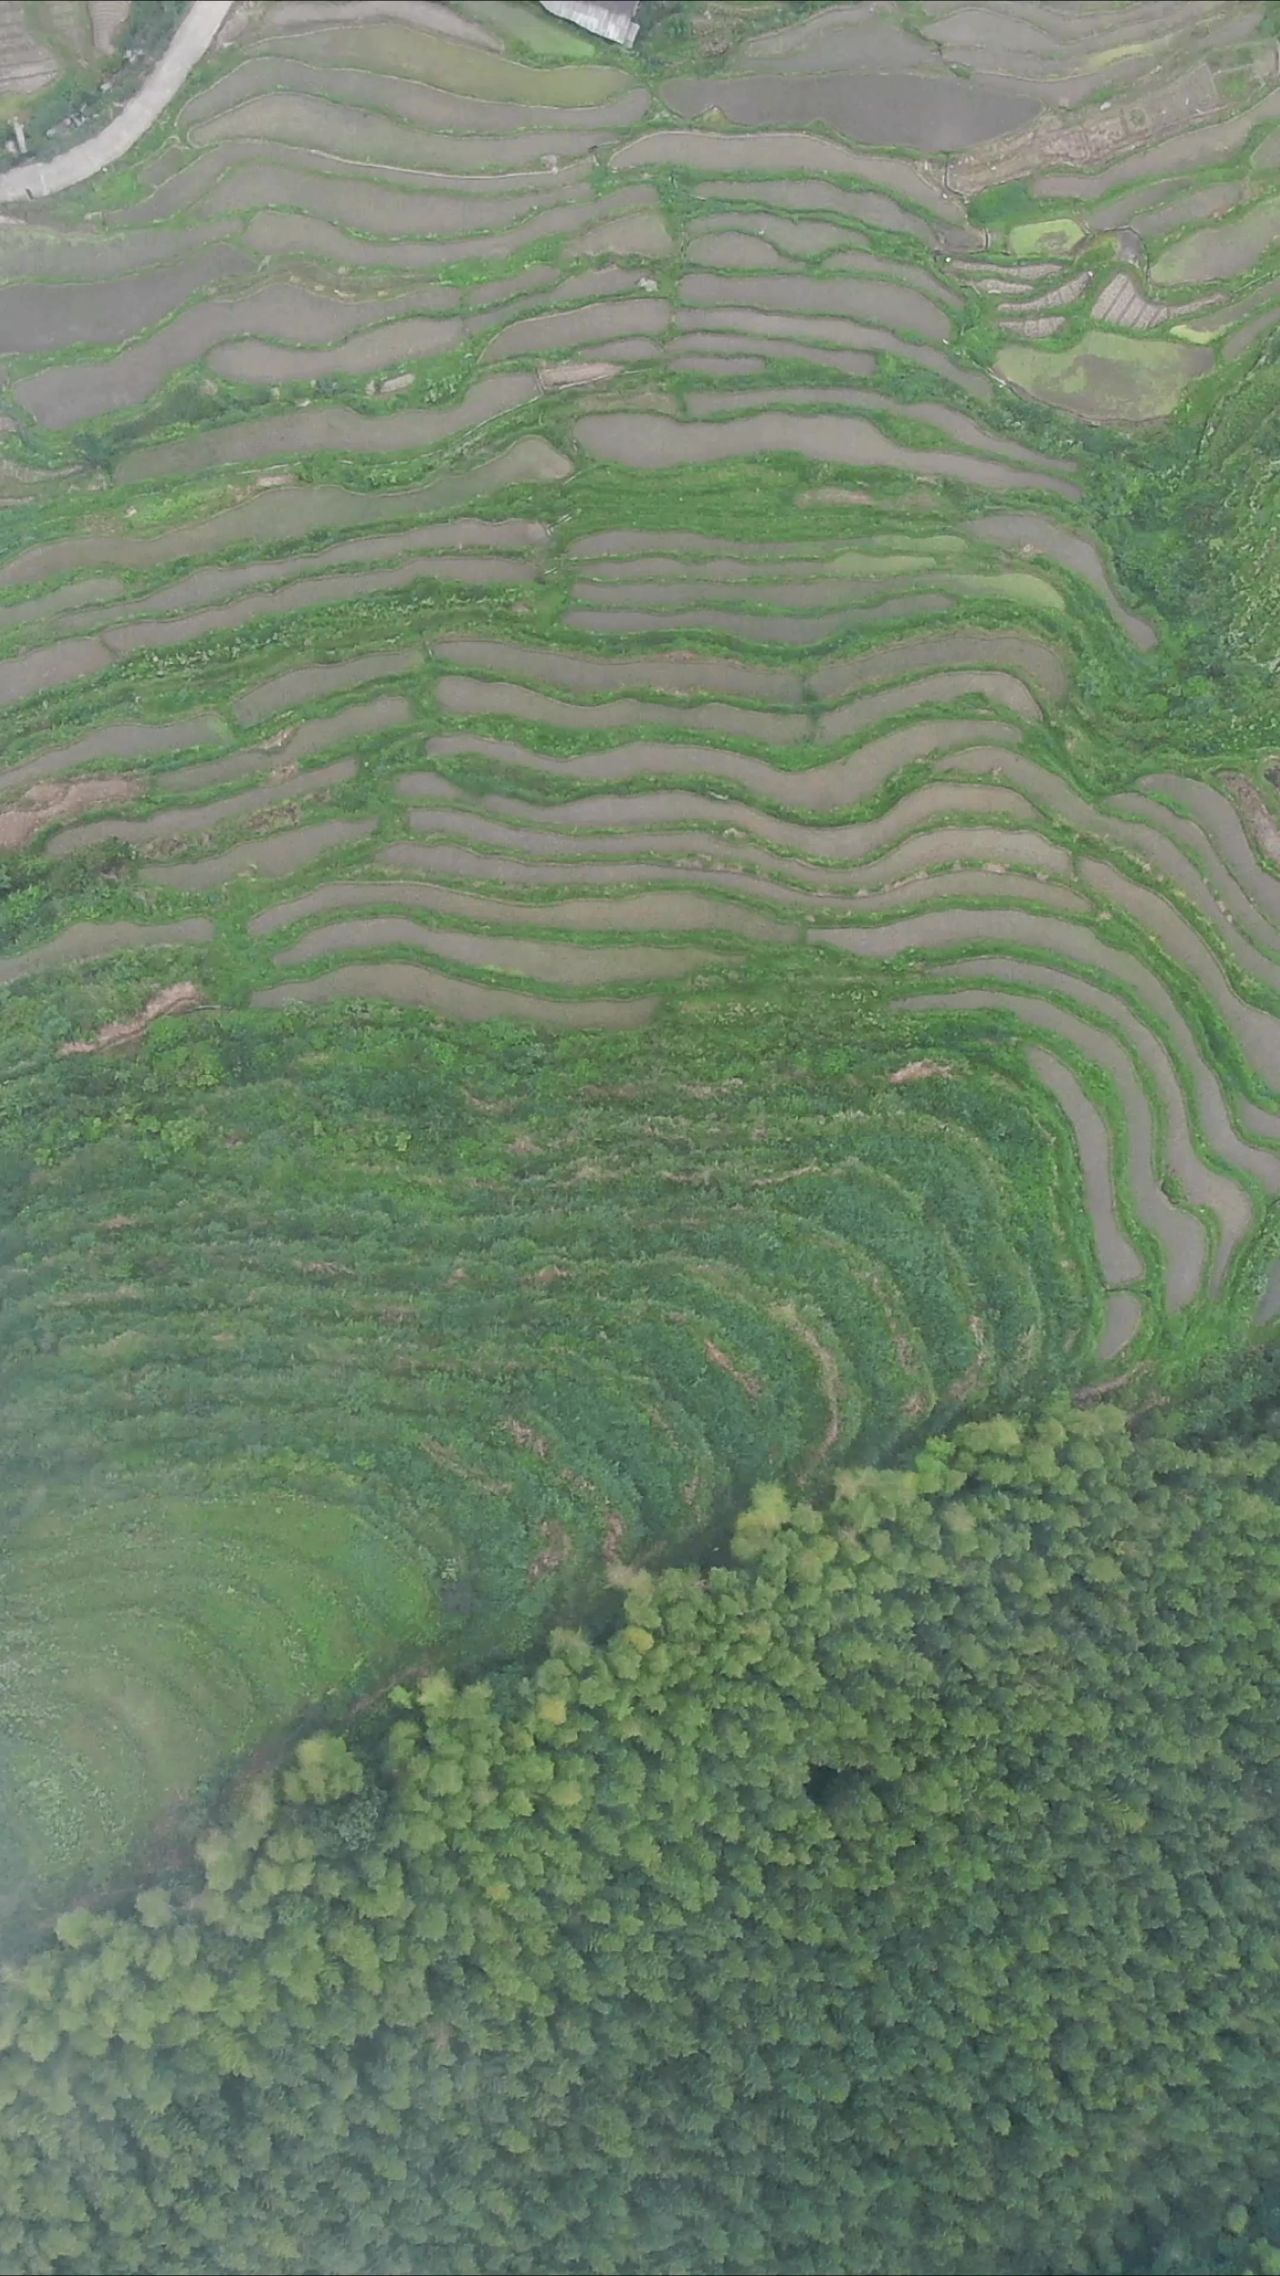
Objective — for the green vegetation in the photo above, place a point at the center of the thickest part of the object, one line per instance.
(814, 785)
(1030, 239)
(639, 853)
(1106, 375)
(488, 1306)
(898, 1895)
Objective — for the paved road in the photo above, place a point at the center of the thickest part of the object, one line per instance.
(195, 35)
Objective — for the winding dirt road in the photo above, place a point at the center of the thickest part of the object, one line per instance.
(195, 35)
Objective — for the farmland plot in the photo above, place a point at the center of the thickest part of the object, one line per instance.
(534, 604)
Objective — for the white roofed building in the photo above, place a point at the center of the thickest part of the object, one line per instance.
(609, 19)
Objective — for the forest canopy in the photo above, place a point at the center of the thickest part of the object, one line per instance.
(896, 1894)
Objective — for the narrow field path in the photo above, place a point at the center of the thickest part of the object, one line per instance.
(195, 35)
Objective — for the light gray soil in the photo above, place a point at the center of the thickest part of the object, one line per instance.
(82, 944)
(1258, 1031)
(452, 998)
(1181, 1236)
(657, 912)
(561, 964)
(1206, 1187)
(1057, 543)
(261, 363)
(1123, 1320)
(819, 196)
(312, 682)
(1042, 665)
(935, 687)
(197, 821)
(840, 784)
(575, 327)
(65, 394)
(860, 299)
(635, 817)
(278, 856)
(814, 337)
(290, 435)
(285, 512)
(458, 693)
(812, 154)
(721, 348)
(126, 739)
(644, 440)
(46, 318)
(895, 110)
(701, 403)
(598, 675)
(1221, 824)
(780, 632)
(1117, 1255)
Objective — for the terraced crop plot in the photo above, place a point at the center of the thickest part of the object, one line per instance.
(535, 616)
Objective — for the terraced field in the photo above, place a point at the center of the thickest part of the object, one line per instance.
(528, 616)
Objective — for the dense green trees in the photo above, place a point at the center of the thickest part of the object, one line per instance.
(897, 1894)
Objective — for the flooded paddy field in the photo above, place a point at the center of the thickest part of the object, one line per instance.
(522, 537)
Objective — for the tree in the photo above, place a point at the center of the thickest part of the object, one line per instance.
(895, 1894)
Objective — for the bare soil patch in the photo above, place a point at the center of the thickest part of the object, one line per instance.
(575, 327)
(454, 998)
(1038, 662)
(646, 911)
(1122, 1322)
(831, 340)
(840, 784)
(805, 154)
(709, 403)
(903, 110)
(902, 307)
(385, 100)
(818, 195)
(471, 697)
(563, 964)
(1262, 823)
(183, 996)
(310, 683)
(801, 240)
(647, 440)
(687, 674)
(290, 435)
(46, 318)
(65, 394)
(124, 739)
(1119, 1259)
(412, 340)
(778, 630)
(935, 687)
(182, 822)
(638, 819)
(1218, 818)
(280, 855)
(308, 125)
(1258, 1031)
(82, 944)
(49, 802)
